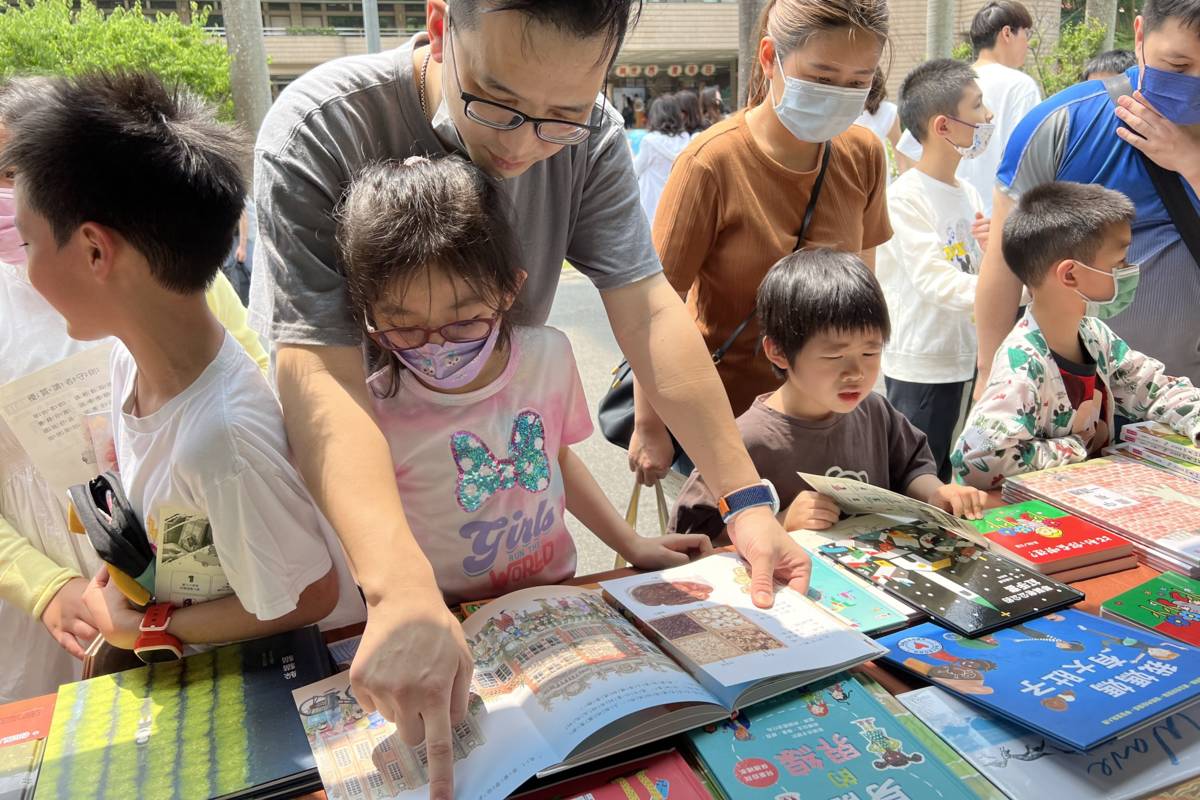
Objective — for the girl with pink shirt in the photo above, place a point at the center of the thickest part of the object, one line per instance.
(479, 413)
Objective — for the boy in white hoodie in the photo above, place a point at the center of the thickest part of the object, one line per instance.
(929, 269)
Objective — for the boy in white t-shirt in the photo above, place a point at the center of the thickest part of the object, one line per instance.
(127, 197)
(1000, 35)
(929, 269)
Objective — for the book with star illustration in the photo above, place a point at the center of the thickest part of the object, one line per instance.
(1073, 678)
(566, 676)
(832, 739)
(954, 580)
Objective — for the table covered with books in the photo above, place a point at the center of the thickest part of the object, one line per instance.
(923, 664)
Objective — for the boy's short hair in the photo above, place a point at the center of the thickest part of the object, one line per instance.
(933, 88)
(812, 291)
(121, 150)
(1114, 62)
(993, 18)
(1058, 221)
(1156, 12)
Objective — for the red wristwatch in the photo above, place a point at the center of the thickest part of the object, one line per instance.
(154, 643)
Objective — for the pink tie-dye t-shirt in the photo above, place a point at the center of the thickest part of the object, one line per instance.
(478, 473)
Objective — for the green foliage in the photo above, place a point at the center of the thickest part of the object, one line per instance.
(963, 52)
(1062, 65)
(49, 37)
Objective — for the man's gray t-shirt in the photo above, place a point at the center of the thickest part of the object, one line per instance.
(580, 204)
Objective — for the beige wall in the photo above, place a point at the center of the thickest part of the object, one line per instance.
(908, 25)
(704, 27)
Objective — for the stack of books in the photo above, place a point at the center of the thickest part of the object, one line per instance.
(1159, 446)
(1153, 509)
(1051, 541)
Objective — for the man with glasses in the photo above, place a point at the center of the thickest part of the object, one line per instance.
(513, 84)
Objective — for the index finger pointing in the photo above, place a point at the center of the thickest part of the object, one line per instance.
(439, 750)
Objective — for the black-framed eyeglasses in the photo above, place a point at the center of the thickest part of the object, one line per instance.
(459, 332)
(505, 118)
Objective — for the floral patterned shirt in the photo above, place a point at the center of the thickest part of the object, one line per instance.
(1025, 421)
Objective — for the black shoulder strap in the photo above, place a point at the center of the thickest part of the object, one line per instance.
(826, 149)
(1168, 184)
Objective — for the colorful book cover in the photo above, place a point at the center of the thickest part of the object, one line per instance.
(215, 724)
(1028, 767)
(952, 579)
(24, 726)
(1173, 465)
(1133, 499)
(858, 605)
(1162, 438)
(833, 740)
(1168, 604)
(980, 786)
(1074, 678)
(1048, 539)
(663, 776)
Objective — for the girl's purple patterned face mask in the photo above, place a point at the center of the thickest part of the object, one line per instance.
(450, 365)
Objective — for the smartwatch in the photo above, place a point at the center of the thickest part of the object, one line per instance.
(759, 494)
(154, 644)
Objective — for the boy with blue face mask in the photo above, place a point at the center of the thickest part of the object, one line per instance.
(929, 268)
(1062, 375)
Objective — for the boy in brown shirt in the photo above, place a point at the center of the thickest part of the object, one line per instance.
(824, 322)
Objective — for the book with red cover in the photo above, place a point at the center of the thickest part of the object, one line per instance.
(1048, 539)
(663, 775)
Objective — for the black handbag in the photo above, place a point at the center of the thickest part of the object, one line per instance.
(615, 413)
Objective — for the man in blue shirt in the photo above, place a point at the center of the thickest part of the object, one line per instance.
(1081, 134)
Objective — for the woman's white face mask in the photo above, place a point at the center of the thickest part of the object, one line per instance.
(816, 112)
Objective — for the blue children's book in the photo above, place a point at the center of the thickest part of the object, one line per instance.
(1077, 679)
(831, 740)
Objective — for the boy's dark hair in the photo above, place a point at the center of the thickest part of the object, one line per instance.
(933, 88)
(665, 116)
(1058, 221)
(582, 19)
(816, 290)
(1111, 61)
(993, 18)
(400, 220)
(121, 150)
(1156, 12)
(20, 94)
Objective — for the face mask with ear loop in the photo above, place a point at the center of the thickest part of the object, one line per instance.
(1125, 283)
(816, 112)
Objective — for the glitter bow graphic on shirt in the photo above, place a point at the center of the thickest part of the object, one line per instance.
(481, 475)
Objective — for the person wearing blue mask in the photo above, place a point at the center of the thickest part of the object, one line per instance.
(739, 197)
(1062, 376)
(1138, 133)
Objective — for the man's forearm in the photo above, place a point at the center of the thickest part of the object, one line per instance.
(676, 375)
(998, 292)
(345, 460)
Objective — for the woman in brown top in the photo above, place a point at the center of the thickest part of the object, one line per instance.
(735, 201)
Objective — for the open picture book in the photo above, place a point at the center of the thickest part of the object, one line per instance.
(565, 676)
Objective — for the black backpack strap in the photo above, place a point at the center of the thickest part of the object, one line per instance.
(826, 149)
(1168, 184)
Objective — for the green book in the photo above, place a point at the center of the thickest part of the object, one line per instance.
(980, 786)
(1168, 604)
(217, 724)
